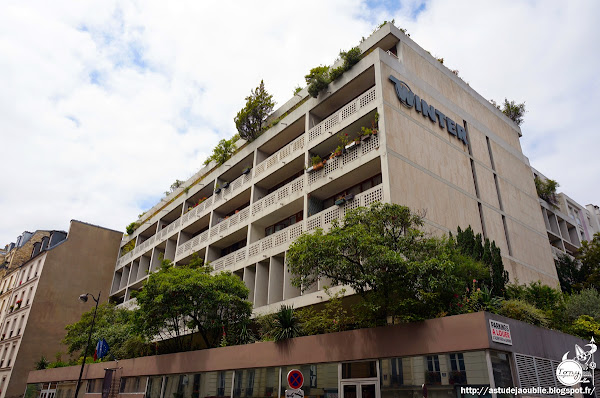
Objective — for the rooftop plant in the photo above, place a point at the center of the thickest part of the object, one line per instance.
(546, 189)
(250, 120)
(223, 151)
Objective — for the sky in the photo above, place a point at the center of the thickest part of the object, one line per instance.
(104, 104)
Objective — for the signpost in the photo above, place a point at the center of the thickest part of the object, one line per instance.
(295, 381)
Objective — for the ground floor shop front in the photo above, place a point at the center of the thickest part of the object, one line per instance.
(442, 356)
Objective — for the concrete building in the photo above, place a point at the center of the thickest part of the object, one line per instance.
(37, 299)
(567, 222)
(440, 148)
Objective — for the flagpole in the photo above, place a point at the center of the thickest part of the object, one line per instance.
(84, 298)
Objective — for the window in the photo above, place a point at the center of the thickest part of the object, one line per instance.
(283, 224)
(458, 375)
(433, 374)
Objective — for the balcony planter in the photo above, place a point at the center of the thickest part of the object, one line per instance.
(225, 185)
(217, 190)
(246, 170)
(351, 145)
(366, 137)
(349, 197)
(340, 201)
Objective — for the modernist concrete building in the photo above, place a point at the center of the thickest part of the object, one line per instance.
(567, 222)
(440, 148)
(39, 298)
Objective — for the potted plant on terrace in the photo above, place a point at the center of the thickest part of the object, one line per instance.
(340, 200)
(217, 188)
(226, 185)
(317, 163)
(246, 170)
(19, 303)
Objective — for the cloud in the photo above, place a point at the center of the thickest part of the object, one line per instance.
(106, 103)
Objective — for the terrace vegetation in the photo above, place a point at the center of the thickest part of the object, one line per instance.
(400, 274)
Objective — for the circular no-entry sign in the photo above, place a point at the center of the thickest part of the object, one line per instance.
(295, 379)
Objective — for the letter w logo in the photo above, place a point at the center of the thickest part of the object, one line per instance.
(404, 93)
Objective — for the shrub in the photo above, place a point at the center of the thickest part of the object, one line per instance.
(587, 302)
(546, 189)
(523, 311)
(286, 324)
(223, 151)
(317, 79)
(131, 228)
(585, 327)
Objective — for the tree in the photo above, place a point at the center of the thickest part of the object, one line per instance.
(569, 274)
(488, 253)
(589, 255)
(546, 189)
(112, 323)
(223, 151)
(177, 304)
(250, 119)
(512, 110)
(397, 270)
(317, 79)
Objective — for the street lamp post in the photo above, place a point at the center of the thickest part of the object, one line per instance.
(84, 298)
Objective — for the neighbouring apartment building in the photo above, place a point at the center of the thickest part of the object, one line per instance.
(39, 297)
(440, 148)
(567, 222)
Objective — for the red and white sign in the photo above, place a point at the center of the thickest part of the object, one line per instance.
(500, 332)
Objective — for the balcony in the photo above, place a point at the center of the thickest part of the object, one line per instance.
(188, 218)
(229, 260)
(348, 110)
(225, 226)
(350, 156)
(324, 218)
(288, 192)
(277, 239)
(290, 151)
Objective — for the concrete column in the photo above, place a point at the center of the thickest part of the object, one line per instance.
(275, 280)
(249, 280)
(289, 291)
(261, 285)
(143, 267)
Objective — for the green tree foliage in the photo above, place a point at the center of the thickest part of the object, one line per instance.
(512, 110)
(523, 311)
(589, 256)
(488, 253)
(286, 324)
(587, 302)
(585, 327)
(42, 363)
(546, 189)
(113, 324)
(569, 273)
(178, 301)
(333, 317)
(131, 228)
(250, 120)
(320, 77)
(174, 186)
(317, 79)
(223, 151)
(380, 252)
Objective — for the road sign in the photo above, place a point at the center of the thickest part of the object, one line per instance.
(295, 379)
(294, 393)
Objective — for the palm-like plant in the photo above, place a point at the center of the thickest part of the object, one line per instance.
(287, 324)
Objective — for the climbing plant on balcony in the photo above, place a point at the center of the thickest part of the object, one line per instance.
(250, 120)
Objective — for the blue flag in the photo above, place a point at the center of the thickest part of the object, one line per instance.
(101, 349)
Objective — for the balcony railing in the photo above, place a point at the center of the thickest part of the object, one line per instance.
(200, 241)
(296, 186)
(277, 239)
(230, 259)
(188, 218)
(324, 218)
(363, 100)
(277, 157)
(350, 156)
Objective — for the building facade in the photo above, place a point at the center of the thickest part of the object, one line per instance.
(567, 222)
(440, 148)
(37, 300)
(447, 355)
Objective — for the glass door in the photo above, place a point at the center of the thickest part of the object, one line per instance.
(360, 389)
